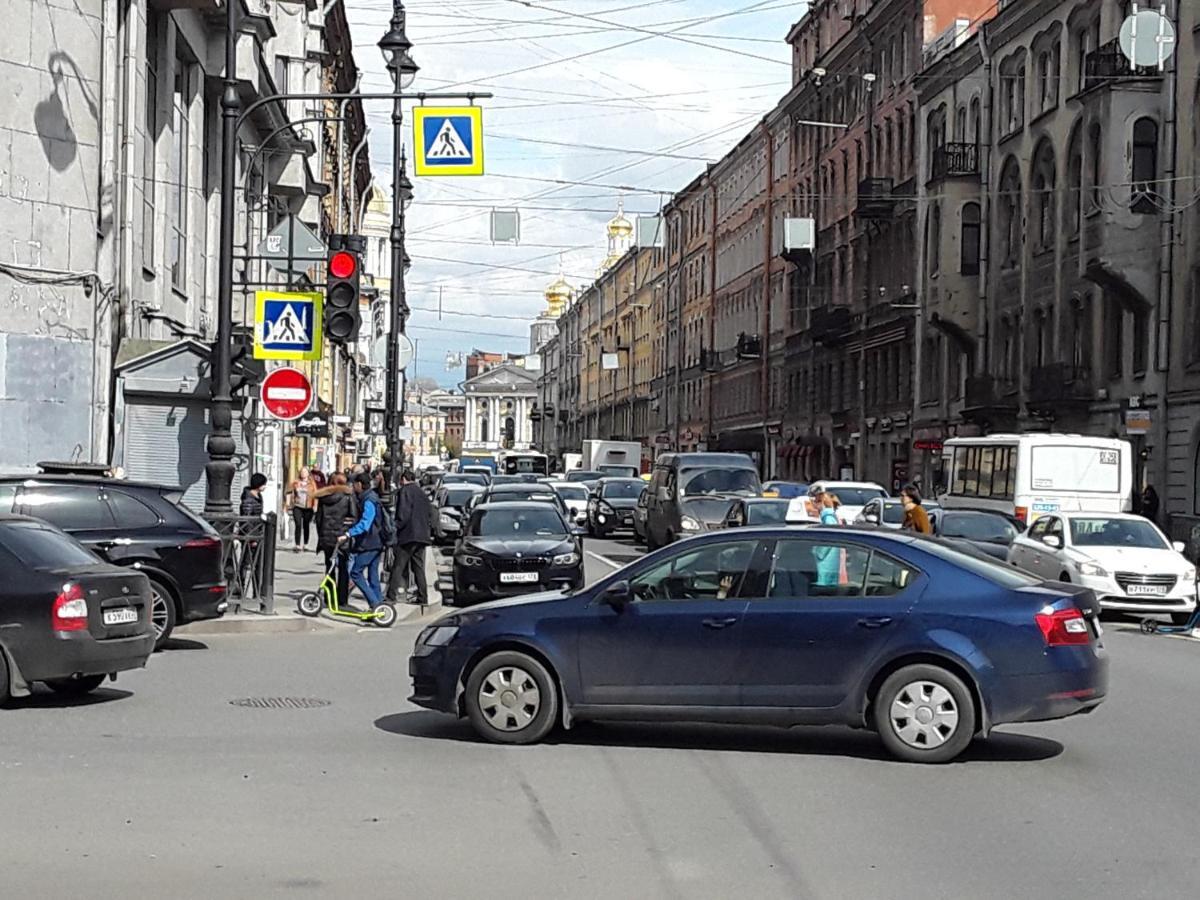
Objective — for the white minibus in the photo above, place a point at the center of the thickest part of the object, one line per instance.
(1028, 475)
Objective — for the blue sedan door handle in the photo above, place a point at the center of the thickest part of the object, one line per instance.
(875, 621)
(720, 623)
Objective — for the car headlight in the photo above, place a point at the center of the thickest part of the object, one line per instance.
(1188, 576)
(565, 559)
(687, 523)
(467, 560)
(601, 518)
(1095, 571)
(437, 635)
(448, 519)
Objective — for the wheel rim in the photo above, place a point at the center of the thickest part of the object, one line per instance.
(924, 715)
(385, 614)
(310, 603)
(160, 616)
(509, 698)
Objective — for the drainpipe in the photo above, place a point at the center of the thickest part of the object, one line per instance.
(341, 150)
(983, 351)
(1166, 274)
(768, 467)
(353, 168)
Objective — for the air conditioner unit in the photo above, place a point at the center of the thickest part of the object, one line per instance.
(799, 240)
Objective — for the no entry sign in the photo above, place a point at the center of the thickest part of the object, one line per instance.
(287, 393)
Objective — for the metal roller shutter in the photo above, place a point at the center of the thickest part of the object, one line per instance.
(165, 443)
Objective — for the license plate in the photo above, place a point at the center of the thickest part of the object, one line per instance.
(124, 616)
(518, 577)
(1146, 590)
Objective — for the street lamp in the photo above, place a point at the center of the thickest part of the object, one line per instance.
(394, 45)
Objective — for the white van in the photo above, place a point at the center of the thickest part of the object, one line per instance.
(1028, 475)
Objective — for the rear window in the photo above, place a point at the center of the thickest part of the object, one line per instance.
(978, 527)
(977, 563)
(40, 547)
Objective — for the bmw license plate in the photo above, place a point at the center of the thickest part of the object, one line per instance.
(124, 616)
(518, 577)
(1146, 590)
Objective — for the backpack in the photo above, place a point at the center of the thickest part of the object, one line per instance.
(385, 521)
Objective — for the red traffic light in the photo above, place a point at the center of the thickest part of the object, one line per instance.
(342, 264)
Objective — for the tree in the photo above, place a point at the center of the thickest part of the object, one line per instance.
(453, 447)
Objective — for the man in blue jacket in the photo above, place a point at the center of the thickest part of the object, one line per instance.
(367, 546)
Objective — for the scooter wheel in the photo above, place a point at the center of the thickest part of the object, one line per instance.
(1149, 626)
(309, 605)
(385, 615)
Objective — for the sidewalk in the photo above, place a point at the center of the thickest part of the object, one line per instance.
(296, 574)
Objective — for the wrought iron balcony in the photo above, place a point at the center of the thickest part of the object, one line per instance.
(875, 199)
(955, 160)
(1059, 385)
(1107, 64)
(830, 325)
(988, 397)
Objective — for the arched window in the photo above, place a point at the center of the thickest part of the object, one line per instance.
(1044, 190)
(971, 234)
(933, 240)
(960, 123)
(1010, 214)
(1095, 163)
(975, 120)
(1074, 198)
(1145, 165)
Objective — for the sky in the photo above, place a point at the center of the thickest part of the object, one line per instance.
(585, 92)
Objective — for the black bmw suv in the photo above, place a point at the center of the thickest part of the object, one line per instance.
(134, 524)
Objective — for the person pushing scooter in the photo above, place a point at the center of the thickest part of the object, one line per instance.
(367, 542)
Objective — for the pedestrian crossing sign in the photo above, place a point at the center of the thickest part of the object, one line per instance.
(287, 325)
(448, 140)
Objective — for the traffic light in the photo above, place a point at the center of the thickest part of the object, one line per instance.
(342, 269)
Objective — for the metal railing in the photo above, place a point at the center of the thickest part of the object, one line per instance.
(955, 159)
(248, 560)
(1108, 63)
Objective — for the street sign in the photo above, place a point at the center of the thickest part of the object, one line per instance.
(306, 247)
(376, 421)
(1137, 421)
(313, 425)
(405, 351)
(287, 393)
(287, 325)
(448, 140)
(1147, 38)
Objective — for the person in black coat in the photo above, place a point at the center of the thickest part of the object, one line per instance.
(413, 535)
(251, 506)
(337, 510)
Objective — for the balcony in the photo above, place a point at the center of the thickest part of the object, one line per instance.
(1057, 387)
(1107, 65)
(989, 399)
(955, 160)
(830, 325)
(876, 200)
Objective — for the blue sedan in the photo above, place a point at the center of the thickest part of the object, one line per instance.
(926, 644)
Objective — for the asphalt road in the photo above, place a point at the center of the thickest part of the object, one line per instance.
(163, 784)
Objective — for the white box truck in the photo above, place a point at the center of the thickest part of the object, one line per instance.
(615, 458)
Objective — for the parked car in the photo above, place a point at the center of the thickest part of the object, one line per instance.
(784, 490)
(67, 619)
(1123, 558)
(853, 495)
(640, 511)
(450, 507)
(136, 525)
(611, 505)
(515, 548)
(756, 511)
(888, 512)
(523, 493)
(690, 493)
(925, 644)
(987, 531)
(575, 495)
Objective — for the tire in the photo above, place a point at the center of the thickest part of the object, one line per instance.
(76, 687)
(385, 615)
(534, 699)
(309, 605)
(1181, 618)
(5, 694)
(948, 708)
(162, 612)
(1064, 578)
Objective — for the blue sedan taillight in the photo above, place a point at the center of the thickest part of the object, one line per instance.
(1063, 627)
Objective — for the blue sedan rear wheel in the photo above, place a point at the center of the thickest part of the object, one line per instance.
(925, 713)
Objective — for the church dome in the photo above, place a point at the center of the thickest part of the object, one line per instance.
(558, 297)
(619, 226)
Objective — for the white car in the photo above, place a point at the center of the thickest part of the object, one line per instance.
(1125, 559)
(575, 495)
(889, 512)
(854, 495)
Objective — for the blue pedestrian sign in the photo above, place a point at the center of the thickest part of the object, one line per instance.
(287, 325)
(448, 140)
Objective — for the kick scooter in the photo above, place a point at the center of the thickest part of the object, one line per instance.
(326, 597)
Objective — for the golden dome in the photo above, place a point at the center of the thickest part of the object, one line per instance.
(619, 226)
(558, 297)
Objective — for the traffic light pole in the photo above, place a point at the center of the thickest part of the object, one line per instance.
(398, 308)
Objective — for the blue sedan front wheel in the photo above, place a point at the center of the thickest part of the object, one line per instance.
(925, 713)
(511, 698)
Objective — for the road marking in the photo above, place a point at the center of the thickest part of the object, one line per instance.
(603, 559)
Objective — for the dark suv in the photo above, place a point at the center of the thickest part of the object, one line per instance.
(143, 526)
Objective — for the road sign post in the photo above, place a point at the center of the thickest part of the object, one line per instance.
(287, 393)
(287, 325)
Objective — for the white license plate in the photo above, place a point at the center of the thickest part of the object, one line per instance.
(1146, 590)
(124, 616)
(518, 577)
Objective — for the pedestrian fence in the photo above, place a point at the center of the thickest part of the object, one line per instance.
(248, 560)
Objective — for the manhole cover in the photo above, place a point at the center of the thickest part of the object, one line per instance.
(280, 702)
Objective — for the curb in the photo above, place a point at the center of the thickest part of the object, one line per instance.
(293, 623)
